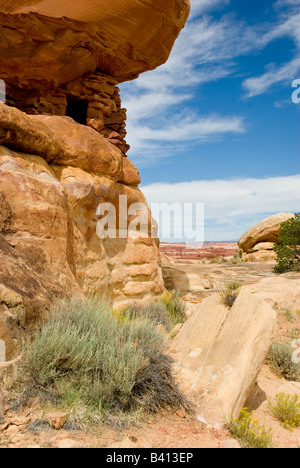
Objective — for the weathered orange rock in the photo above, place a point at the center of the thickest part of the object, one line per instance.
(130, 174)
(20, 420)
(54, 173)
(57, 419)
(49, 245)
(266, 230)
(59, 140)
(54, 42)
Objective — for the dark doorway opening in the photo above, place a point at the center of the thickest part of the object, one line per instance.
(77, 109)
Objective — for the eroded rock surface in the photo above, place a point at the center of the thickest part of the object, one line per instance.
(49, 245)
(265, 231)
(52, 42)
(220, 352)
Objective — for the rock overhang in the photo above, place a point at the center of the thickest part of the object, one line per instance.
(50, 42)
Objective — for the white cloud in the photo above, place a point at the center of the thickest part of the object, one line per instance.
(203, 6)
(259, 85)
(159, 103)
(231, 206)
(188, 129)
(287, 26)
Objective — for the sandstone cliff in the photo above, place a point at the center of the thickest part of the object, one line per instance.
(63, 152)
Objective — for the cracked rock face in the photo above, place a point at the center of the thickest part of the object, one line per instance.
(53, 42)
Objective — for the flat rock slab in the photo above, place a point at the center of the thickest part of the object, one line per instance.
(220, 353)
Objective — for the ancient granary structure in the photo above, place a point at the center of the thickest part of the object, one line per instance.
(63, 151)
(92, 100)
(66, 58)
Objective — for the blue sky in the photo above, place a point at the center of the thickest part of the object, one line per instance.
(216, 124)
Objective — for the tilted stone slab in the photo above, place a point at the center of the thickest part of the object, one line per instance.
(220, 352)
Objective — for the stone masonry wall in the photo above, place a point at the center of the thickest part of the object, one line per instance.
(104, 112)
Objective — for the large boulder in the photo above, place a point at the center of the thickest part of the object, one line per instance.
(52, 42)
(220, 352)
(267, 230)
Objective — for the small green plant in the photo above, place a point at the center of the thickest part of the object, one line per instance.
(288, 248)
(280, 358)
(175, 307)
(294, 334)
(286, 408)
(228, 293)
(156, 312)
(92, 360)
(289, 315)
(213, 260)
(249, 432)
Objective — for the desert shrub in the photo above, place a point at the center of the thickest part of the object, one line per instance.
(213, 260)
(289, 315)
(286, 408)
(156, 312)
(249, 432)
(280, 357)
(228, 293)
(87, 356)
(288, 248)
(175, 307)
(38, 426)
(294, 334)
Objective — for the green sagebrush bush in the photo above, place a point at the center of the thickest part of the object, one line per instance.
(280, 357)
(107, 360)
(288, 249)
(229, 292)
(156, 312)
(175, 306)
